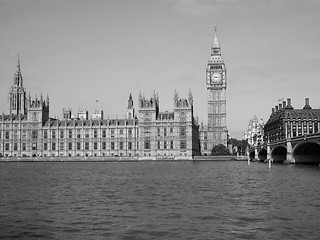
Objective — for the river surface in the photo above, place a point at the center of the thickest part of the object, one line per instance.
(158, 200)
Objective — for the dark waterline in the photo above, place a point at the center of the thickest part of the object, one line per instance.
(159, 200)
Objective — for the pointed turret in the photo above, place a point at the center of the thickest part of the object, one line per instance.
(130, 102)
(18, 75)
(190, 98)
(47, 101)
(130, 110)
(176, 98)
(18, 64)
(215, 50)
(17, 94)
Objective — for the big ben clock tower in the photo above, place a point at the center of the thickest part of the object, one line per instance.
(216, 78)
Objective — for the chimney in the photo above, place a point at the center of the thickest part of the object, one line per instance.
(272, 110)
(289, 103)
(277, 108)
(284, 104)
(280, 106)
(307, 106)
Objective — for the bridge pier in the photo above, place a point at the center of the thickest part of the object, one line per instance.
(268, 152)
(290, 158)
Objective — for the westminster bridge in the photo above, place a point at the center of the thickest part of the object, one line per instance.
(301, 149)
(291, 135)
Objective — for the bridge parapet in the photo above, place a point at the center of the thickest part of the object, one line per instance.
(301, 149)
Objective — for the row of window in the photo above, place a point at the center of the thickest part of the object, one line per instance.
(300, 129)
(69, 146)
(87, 132)
(86, 145)
(164, 145)
(111, 123)
(216, 66)
(63, 134)
(164, 130)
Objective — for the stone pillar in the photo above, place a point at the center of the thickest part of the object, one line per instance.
(290, 158)
(313, 123)
(269, 152)
(256, 153)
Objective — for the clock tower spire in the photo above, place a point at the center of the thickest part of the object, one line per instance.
(215, 49)
(216, 81)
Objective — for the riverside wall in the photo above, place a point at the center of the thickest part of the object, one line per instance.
(120, 159)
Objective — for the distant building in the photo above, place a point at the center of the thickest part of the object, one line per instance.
(286, 122)
(255, 132)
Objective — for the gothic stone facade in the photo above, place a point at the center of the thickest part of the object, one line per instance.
(150, 134)
(255, 134)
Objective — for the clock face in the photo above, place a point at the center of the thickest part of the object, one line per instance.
(216, 77)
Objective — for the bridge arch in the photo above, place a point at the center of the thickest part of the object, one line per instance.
(279, 154)
(252, 155)
(262, 154)
(307, 153)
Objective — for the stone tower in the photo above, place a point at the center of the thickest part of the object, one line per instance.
(216, 78)
(38, 109)
(130, 109)
(148, 112)
(17, 95)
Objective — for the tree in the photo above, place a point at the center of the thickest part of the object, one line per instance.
(220, 150)
(240, 144)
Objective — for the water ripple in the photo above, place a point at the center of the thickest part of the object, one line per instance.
(158, 200)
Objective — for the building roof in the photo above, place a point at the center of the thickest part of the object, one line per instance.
(294, 114)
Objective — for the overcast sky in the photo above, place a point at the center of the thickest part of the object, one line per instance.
(78, 52)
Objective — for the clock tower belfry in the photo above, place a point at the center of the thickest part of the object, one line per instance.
(216, 81)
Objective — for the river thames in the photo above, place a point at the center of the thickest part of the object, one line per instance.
(159, 200)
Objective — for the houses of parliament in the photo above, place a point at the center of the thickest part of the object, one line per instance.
(146, 133)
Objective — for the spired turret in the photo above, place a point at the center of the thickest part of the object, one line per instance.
(215, 49)
(17, 95)
(130, 110)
